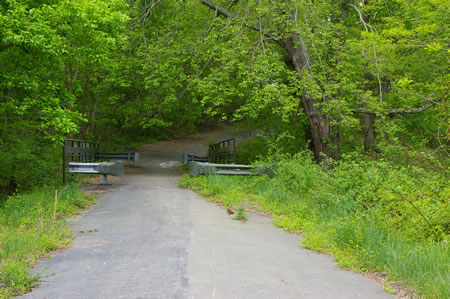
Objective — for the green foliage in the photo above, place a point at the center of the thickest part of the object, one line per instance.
(28, 162)
(251, 150)
(183, 167)
(31, 226)
(375, 56)
(389, 289)
(371, 214)
(158, 67)
(121, 73)
(56, 64)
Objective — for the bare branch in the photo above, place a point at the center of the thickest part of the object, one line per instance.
(372, 29)
(398, 111)
(148, 11)
(228, 14)
(261, 34)
(220, 10)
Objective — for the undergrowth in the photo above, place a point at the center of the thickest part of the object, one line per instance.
(371, 215)
(32, 225)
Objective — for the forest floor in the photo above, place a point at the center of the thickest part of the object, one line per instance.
(146, 237)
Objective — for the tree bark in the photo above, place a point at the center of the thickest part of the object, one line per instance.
(325, 138)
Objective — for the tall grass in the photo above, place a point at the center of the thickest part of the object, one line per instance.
(373, 216)
(423, 266)
(31, 226)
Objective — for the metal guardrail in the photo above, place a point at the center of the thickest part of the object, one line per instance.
(201, 168)
(186, 158)
(223, 152)
(104, 168)
(80, 156)
(81, 151)
(130, 157)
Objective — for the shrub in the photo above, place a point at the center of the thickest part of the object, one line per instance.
(251, 150)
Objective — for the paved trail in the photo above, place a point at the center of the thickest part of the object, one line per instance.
(150, 239)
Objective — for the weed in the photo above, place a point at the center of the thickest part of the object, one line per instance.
(389, 289)
(240, 215)
(183, 167)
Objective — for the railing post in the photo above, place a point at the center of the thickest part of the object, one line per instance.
(234, 150)
(64, 162)
(72, 155)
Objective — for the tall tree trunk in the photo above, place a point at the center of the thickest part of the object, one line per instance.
(92, 117)
(325, 138)
(368, 121)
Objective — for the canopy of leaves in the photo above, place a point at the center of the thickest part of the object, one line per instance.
(116, 71)
(54, 56)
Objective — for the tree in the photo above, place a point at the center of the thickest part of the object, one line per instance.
(346, 59)
(284, 30)
(408, 48)
(51, 51)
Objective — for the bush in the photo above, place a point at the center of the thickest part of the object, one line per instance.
(27, 162)
(251, 150)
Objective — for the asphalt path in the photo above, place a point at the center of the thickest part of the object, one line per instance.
(147, 238)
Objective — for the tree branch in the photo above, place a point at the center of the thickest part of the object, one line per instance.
(372, 29)
(398, 111)
(261, 33)
(149, 10)
(228, 14)
(220, 10)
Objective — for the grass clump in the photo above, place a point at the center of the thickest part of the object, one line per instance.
(31, 226)
(241, 215)
(183, 167)
(372, 215)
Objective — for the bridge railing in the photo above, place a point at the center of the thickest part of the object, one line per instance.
(223, 152)
(75, 150)
(81, 156)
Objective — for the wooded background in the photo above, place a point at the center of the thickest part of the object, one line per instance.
(337, 76)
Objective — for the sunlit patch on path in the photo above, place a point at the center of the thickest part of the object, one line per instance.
(169, 164)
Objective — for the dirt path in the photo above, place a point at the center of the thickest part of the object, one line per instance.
(146, 238)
